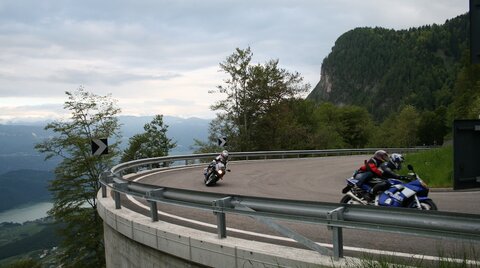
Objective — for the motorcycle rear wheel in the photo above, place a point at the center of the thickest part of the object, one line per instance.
(425, 204)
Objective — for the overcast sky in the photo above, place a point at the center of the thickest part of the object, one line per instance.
(162, 57)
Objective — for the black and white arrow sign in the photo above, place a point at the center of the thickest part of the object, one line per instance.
(222, 142)
(99, 146)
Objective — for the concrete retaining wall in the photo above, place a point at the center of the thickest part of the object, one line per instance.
(133, 240)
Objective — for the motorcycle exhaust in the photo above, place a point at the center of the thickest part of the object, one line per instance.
(356, 198)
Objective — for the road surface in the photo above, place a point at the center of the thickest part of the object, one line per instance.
(312, 179)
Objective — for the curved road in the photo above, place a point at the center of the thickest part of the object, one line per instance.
(313, 179)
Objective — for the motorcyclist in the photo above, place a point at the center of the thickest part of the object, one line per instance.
(371, 168)
(222, 157)
(388, 167)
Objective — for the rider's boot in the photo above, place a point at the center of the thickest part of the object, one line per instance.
(368, 196)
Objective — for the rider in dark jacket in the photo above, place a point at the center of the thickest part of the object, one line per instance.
(388, 167)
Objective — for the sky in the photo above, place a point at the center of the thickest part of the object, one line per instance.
(162, 57)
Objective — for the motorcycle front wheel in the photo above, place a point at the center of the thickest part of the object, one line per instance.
(425, 205)
(211, 179)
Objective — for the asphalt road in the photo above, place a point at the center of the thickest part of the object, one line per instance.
(313, 179)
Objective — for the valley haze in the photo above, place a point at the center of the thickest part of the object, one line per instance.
(17, 139)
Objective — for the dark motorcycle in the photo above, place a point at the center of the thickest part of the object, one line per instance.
(392, 192)
(214, 172)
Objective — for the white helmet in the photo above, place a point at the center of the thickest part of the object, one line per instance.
(397, 160)
(225, 154)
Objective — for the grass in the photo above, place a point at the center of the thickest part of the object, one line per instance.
(434, 166)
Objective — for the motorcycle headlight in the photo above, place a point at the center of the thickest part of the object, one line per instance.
(220, 172)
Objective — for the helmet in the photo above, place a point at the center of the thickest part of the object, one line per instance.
(397, 160)
(225, 154)
(381, 155)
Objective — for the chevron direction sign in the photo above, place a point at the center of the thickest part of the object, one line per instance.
(99, 146)
(222, 142)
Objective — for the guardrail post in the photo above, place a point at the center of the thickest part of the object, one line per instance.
(116, 196)
(336, 215)
(153, 210)
(105, 177)
(104, 190)
(218, 207)
(157, 193)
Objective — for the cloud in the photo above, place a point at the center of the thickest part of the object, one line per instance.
(169, 50)
(112, 77)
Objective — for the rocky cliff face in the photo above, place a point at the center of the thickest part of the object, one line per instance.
(383, 69)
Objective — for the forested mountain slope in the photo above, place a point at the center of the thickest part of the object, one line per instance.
(383, 69)
(25, 186)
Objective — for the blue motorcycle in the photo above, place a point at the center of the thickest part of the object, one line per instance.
(390, 192)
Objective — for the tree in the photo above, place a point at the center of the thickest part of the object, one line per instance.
(466, 102)
(432, 127)
(235, 107)
(152, 143)
(76, 184)
(342, 127)
(219, 127)
(355, 126)
(398, 130)
(255, 101)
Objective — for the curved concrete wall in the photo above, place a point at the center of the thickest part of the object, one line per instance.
(133, 240)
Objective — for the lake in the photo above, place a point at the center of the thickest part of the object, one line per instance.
(26, 213)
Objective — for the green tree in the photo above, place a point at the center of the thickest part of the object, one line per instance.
(466, 102)
(152, 143)
(235, 115)
(432, 127)
(76, 184)
(406, 127)
(255, 101)
(342, 127)
(397, 130)
(355, 126)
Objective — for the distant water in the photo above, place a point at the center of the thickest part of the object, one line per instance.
(26, 213)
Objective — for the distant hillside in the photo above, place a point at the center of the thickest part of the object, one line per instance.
(382, 69)
(24, 186)
(17, 148)
(181, 130)
(17, 141)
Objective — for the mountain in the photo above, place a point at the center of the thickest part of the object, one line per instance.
(17, 148)
(24, 186)
(17, 141)
(383, 69)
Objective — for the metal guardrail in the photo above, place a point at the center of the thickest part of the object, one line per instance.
(335, 216)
